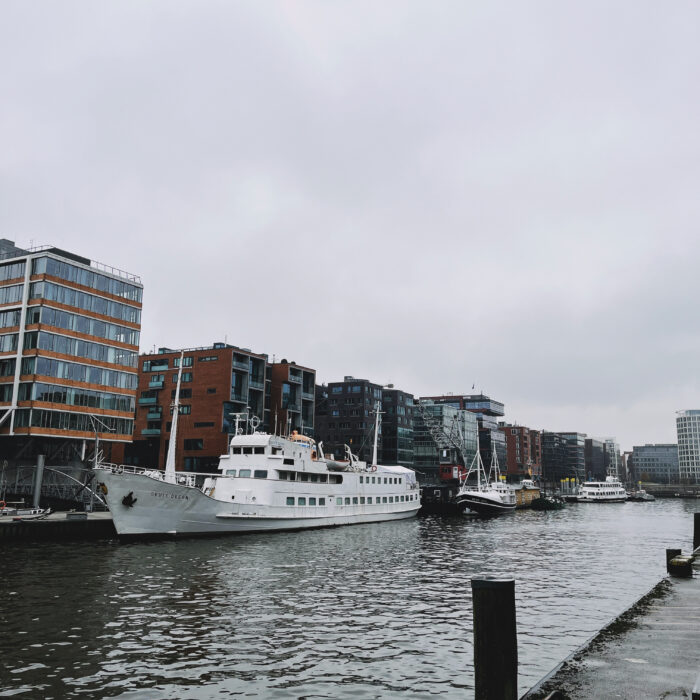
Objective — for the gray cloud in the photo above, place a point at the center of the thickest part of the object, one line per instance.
(433, 195)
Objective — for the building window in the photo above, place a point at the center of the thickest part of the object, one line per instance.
(194, 444)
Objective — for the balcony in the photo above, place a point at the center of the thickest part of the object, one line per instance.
(293, 407)
(150, 431)
(294, 379)
(146, 400)
(156, 384)
(239, 397)
(154, 415)
(255, 384)
(242, 364)
(307, 396)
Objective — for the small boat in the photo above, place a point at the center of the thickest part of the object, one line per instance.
(490, 495)
(547, 503)
(640, 495)
(608, 491)
(31, 513)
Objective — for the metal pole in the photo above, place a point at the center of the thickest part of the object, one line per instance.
(495, 639)
(696, 531)
(38, 478)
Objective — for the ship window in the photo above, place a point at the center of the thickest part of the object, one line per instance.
(244, 472)
(336, 479)
(312, 501)
(292, 476)
(347, 500)
(339, 501)
(236, 450)
(230, 472)
(374, 479)
(362, 479)
(391, 499)
(259, 450)
(276, 450)
(314, 478)
(290, 500)
(322, 501)
(288, 460)
(384, 499)
(304, 477)
(260, 473)
(369, 500)
(323, 478)
(386, 481)
(402, 499)
(301, 501)
(354, 500)
(283, 476)
(247, 450)
(362, 500)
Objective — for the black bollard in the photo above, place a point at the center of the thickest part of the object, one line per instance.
(495, 639)
(696, 531)
(670, 553)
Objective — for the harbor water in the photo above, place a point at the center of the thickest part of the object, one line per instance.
(368, 611)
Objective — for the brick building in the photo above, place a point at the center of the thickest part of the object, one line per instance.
(523, 451)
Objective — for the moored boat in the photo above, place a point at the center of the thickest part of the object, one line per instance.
(489, 495)
(265, 483)
(608, 491)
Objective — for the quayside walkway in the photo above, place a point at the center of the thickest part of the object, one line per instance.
(650, 651)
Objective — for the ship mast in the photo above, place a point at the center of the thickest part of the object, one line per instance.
(376, 433)
(172, 445)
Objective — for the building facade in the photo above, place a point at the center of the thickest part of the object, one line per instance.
(487, 412)
(345, 415)
(397, 427)
(523, 452)
(655, 463)
(69, 338)
(576, 455)
(688, 431)
(443, 436)
(594, 456)
(555, 459)
(292, 397)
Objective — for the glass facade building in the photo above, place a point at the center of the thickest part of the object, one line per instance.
(69, 337)
(655, 463)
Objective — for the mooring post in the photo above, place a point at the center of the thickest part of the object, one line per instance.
(670, 553)
(696, 531)
(38, 478)
(495, 639)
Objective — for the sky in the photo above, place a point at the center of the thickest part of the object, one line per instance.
(437, 195)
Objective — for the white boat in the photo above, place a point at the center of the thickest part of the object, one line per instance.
(490, 495)
(608, 491)
(265, 483)
(18, 511)
(640, 495)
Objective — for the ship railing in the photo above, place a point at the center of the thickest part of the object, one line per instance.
(195, 480)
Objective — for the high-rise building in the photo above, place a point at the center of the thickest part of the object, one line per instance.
(69, 337)
(594, 456)
(613, 459)
(576, 455)
(523, 451)
(656, 463)
(688, 430)
(397, 427)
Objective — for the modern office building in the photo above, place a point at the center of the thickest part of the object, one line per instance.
(69, 337)
(523, 452)
(345, 415)
(688, 431)
(655, 463)
(555, 459)
(487, 412)
(614, 464)
(576, 455)
(594, 456)
(397, 427)
(443, 436)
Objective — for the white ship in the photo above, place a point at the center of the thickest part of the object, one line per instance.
(265, 483)
(608, 491)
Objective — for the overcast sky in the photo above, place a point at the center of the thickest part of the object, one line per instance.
(434, 194)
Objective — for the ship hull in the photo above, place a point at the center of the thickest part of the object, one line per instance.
(483, 504)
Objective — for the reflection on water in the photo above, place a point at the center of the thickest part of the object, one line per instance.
(368, 611)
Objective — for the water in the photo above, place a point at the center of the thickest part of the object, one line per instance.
(369, 611)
